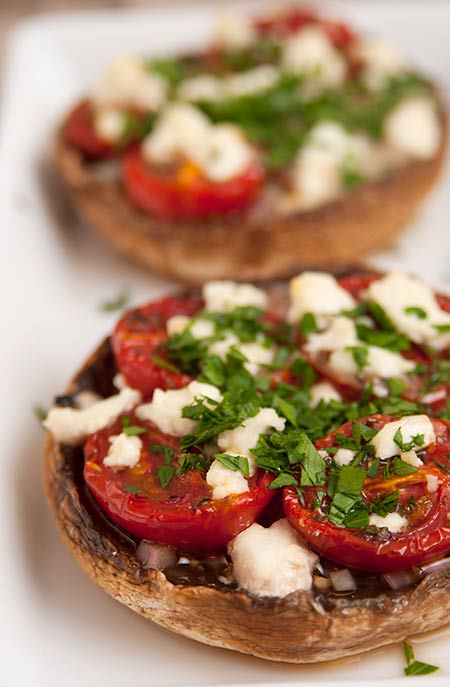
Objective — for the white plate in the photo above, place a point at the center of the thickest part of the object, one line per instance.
(57, 628)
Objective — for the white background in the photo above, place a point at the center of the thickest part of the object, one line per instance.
(56, 627)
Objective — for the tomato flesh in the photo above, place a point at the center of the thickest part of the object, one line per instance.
(79, 132)
(138, 343)
(428, 533)
(183, 514)
(185, 193)
(293, 20)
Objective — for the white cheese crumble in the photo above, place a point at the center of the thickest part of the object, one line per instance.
(310, 52)
(124, 451)
(319, 293)
(317, 170)
(109, 124)
(396, 293)
(85, 399)
(240, 440)
(234, 32)
(410, 426)
(201, 87)
(340, 333)
(413, 127)
(219, 150)
(225, 296)
(411, 458)
(344, 456)
(380, 60)
(251, 81)
(433, 483)
(225, 481)
(323, 391)
(71, 426)
(211, 88)
(381, 364)
(256, 354)
(165, 408)
(200, 328)
(128, 81)
(271, 561)
(394, 522)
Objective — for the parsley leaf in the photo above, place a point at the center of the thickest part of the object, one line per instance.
(234, 462)
(308, 324)
(118, 303)
(284, 479)
(402, 468)
(313, 465)
(360, 355)
(417, 312)
(414, 667)
(165, 474)
(131, 430)
(385, 505)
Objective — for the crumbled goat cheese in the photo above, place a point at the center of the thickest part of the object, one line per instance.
(410, 426)
(310, 52)
(380, 61)
(344, 456)
(109, 124)
(271, 561)
(411, 458)
(256, 354)
(323, 391)
(394, 522)
(71, 426)
(124, 451)
(234, 32)
(242, 439)
(200, 328)
(127, 81)
(165, 408)
(433, 483)
(319, 293)
(395, 293)
(221, 151)
(413, 127)
(225, 481)
(225, 296)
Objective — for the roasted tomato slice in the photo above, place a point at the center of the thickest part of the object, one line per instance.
(79, 132)
(290, 21)
(184, 192)
(183, 513)
(138, 343)
(422, 498)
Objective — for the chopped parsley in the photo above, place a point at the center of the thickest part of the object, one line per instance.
(416, 311)
(414, 667)
(129, 429)
(118, 303)
(234, 462)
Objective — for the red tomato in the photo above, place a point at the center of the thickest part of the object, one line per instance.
(183, 514)
(290, 21)
(284, 23)
(428, 533)
(138, 343)
(185, 192)
(79, 132)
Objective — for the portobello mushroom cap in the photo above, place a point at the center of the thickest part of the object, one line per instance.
(304, 627)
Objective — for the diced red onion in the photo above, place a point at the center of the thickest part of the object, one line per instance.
(400, 579)
(156, 556)
(441, 564)
(343, 580)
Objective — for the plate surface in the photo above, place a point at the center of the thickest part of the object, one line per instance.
(56, 627)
